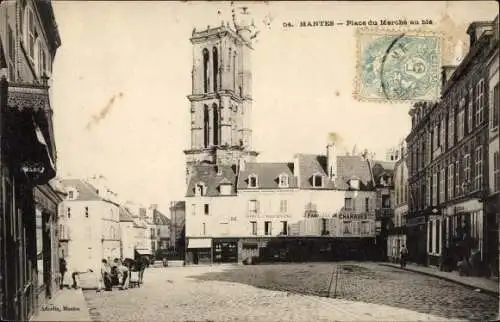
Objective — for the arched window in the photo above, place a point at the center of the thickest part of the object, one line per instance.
(229, 58)
(206, 61)
(206, 124)
(234, 71)
(215, 58)
(40, 58)
(216, 124)
(29, 31)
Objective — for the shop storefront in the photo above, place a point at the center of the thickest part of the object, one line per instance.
(199, 251)
(464, 231)
(27, 153)
(225, 250)
(416, 235)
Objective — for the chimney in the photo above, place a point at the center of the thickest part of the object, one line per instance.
(446, 72)
(331, 160)
(154, 206)
(296, 168)
(241, 165)
(476, 29)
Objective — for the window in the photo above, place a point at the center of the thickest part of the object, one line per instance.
(365, 228)
(71, 195)
(478, 169)
(347, 227)
(206, 67)
(207, 210)
(267, 228)
(68, 212)
(434, 188)
(451, 177)
(206, 126)
(495, 109)
(470, 110)
(442, 186)
(253, 206)
(12, 54)
(367, 204)
(29, 32)
(193, 209)
(457, 178)
(235, 71)
(461, 125)
(386, 201)
(254, 227)
(200, 189)
(284, 228)
(435, 137)
(215, 58)
(430, 235)
(438, 237)
(283, 206)
(451, 128)
(348, 204)
(216, 112)
(442, 139)
(324, 230)
(86, 212)
(252, 181)
(283, 181)
(479, 102)
(496, 171)
(317, 181)
(428, 192)
(467, 169)
(204, 229)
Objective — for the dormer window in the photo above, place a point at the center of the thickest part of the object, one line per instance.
(252, 181)
(200, 189)
(317, 180)
(72, 194)
(283, 181)
(354, 184)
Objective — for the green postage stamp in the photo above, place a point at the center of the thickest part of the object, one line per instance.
(394, 67)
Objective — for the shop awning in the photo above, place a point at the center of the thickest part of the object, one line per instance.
(200, 243)
(143, 251)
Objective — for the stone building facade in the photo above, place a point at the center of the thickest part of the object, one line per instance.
(448, 162)
(29, 39)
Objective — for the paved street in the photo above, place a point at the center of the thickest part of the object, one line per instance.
(221, 294)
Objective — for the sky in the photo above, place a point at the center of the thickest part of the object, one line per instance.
(122, 74)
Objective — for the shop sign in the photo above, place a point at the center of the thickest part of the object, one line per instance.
(32, 170)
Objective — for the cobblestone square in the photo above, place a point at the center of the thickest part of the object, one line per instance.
(290, 292)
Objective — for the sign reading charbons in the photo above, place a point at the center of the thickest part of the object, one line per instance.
(351, 216)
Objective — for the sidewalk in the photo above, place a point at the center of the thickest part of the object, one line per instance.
(486, 285)
(68, 305)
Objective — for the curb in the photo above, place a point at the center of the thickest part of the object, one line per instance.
(483, 290)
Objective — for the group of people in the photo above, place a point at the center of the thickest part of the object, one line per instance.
(118, 273)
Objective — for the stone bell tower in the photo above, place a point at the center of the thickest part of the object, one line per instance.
(221, 98)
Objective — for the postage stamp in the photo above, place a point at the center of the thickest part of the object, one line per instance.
(397, 67)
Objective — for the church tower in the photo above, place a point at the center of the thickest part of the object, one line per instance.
(221, 98)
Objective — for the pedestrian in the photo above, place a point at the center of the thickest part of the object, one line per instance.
(142, 267)
(62, 269)
(403, 253)
(106, 275)
(125, 273)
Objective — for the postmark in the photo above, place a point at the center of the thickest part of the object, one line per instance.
(398, 66)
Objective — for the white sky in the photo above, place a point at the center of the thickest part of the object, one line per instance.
(142, 49)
